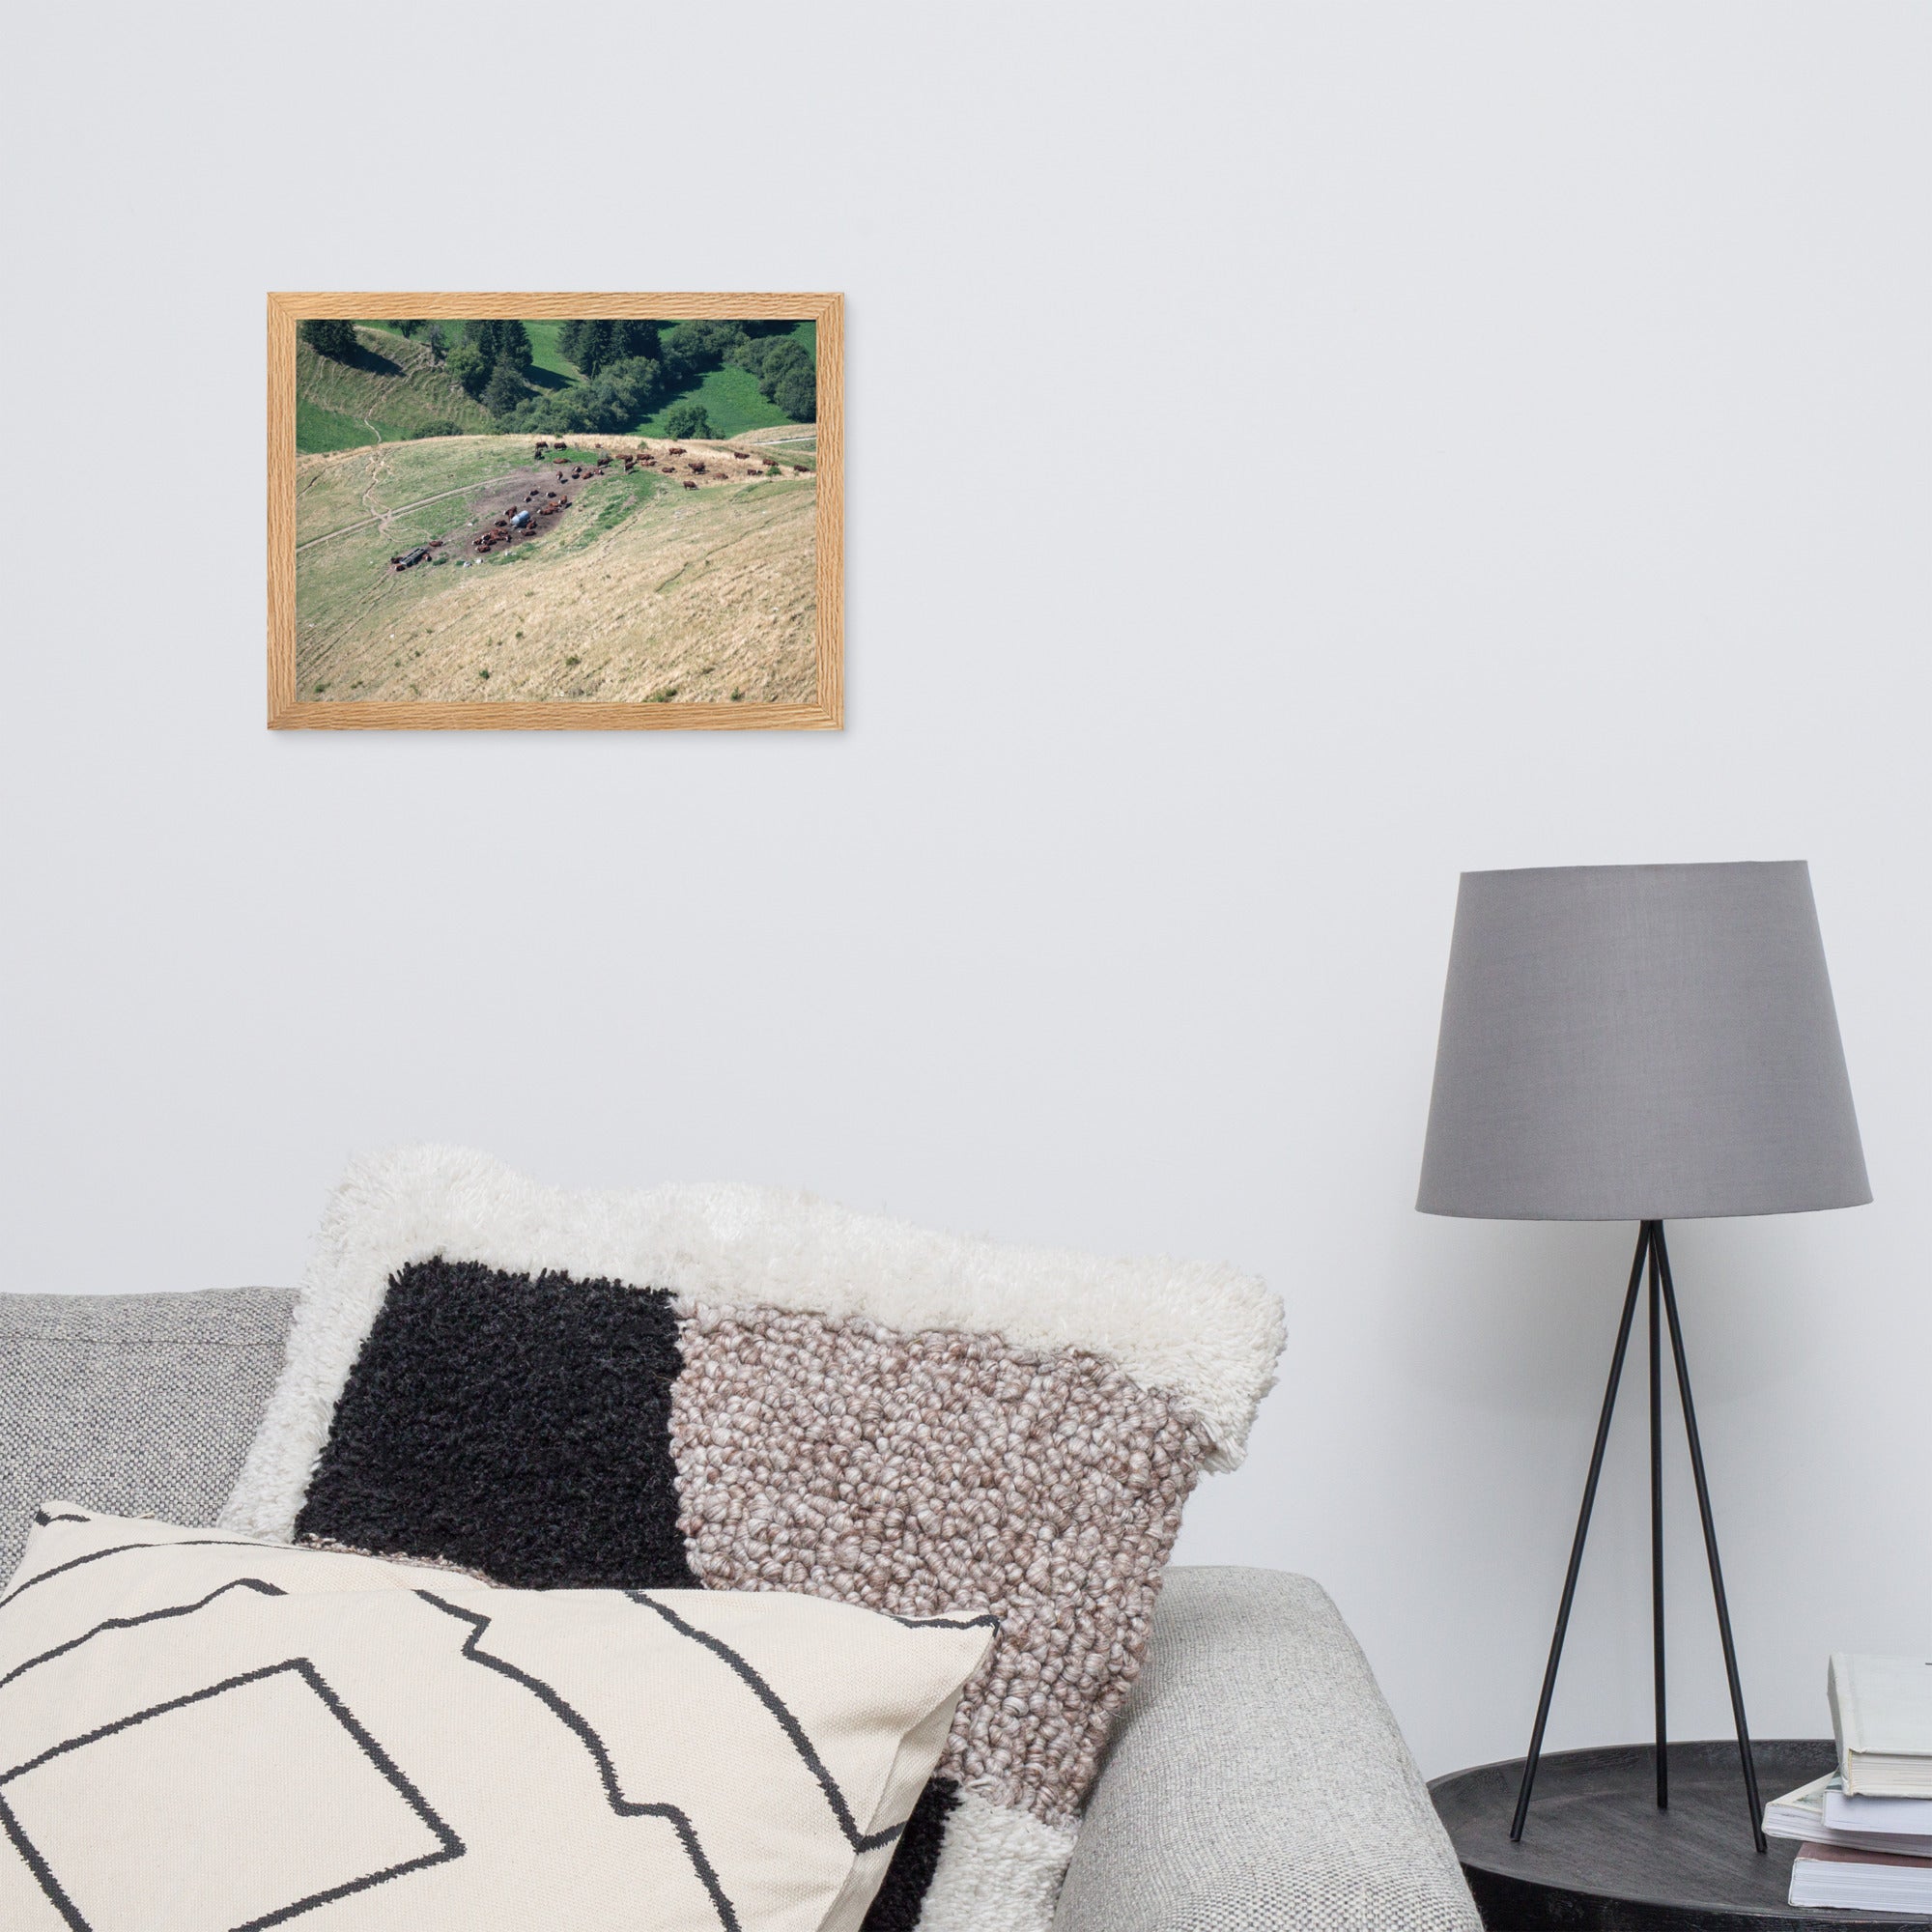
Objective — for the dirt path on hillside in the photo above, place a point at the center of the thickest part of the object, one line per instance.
(377, 470)
(403, 509)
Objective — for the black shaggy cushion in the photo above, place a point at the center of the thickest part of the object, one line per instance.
(510, 1423)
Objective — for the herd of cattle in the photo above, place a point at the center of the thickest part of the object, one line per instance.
(642, 459)
(513, 524)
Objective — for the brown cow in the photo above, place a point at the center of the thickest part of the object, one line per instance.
(697, 470)
(676, 449)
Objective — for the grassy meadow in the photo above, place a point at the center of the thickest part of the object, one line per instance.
(731, 400)
(550, 357)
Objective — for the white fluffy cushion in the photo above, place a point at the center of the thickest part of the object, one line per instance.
(200, 1733)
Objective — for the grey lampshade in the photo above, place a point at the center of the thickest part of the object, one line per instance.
(1632, 1042)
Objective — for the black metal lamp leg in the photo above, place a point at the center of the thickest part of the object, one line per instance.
(1657, 1516)
(1710, 1541)
(1644, 1243)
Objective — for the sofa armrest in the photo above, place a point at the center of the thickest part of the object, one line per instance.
(138, 1405)
(1257, 1779)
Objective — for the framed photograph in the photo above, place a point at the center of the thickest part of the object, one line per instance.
(556, 512)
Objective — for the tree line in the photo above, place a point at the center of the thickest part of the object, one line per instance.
(630, 368)
(338, 339)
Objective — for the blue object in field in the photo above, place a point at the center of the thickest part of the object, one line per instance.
(519, 520)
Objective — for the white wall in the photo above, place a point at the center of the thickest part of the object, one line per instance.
(1296, 453)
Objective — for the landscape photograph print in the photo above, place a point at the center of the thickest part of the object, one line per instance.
(556, 511)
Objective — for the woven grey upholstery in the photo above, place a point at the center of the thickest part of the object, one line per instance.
(138, 1405)
(1257, 1782)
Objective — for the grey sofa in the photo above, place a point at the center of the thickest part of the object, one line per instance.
(1256, 1778)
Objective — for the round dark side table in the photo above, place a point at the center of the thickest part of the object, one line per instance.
(1597, 1856)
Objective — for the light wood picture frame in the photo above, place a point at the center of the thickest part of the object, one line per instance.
(408, 572)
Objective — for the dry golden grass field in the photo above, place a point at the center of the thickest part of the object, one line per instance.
(640, 591)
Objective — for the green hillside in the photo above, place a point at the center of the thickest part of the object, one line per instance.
(317, 430)
(392, 391)
(395, 390)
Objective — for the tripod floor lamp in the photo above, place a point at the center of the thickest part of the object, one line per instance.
(1640, 1043)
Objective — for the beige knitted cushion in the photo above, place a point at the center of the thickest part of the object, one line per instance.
(199, 1733)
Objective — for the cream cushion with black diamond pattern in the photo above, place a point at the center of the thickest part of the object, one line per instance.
(204, 1733)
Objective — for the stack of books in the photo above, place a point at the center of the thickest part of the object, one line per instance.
(1865, 1830)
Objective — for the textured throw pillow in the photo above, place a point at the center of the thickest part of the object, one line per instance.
(199, 1733)
(745, 1389)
